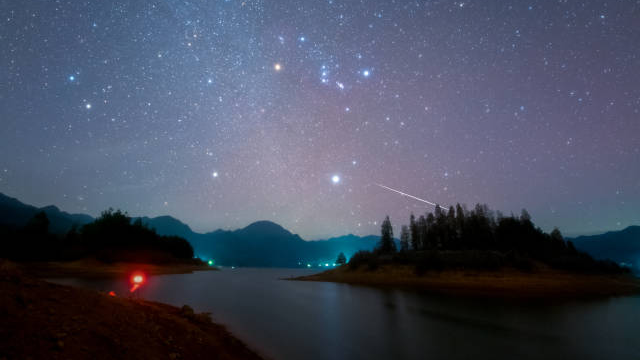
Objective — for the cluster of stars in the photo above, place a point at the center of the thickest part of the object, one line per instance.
(300, 105)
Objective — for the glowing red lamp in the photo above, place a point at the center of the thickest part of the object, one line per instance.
(137, 279)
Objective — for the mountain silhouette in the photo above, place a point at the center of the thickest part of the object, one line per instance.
(619, 246)
(168, 226)
(14, 213)
(260, 244)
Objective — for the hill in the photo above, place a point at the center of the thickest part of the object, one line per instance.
(262, 243)
(620, 246)
(15, 214)
(268, 244)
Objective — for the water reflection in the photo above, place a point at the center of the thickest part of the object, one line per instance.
(310, 320)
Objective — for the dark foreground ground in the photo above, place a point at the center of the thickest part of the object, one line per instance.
(40, 320)
(540, 283)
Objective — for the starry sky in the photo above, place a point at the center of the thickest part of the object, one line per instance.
(224, 112)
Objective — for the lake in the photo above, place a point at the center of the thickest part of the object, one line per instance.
(313, 320)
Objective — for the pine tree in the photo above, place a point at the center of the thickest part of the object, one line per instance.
(460, 226)
(387, 245)
(428, 231)
(404, 238)
(415, 233)
(341, 260)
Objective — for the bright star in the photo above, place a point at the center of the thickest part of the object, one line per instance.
(335, 179)
(88, 106)
(72, 78)
(209, 81)
(277, 67)
(366, 73)
(215, 174)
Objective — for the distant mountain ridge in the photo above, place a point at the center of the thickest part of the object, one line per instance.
(619, 246)
(14, 213)
(260, 244)
(265, 243)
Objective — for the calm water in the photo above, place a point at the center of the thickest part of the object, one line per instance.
(311, 320)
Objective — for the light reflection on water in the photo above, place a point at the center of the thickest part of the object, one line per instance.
(314, 320)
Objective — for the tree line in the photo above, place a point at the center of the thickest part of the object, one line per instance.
(111, 237)
(479, 238)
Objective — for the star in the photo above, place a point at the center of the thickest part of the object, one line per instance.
(88, 106)
(277, 67)
(215, 174)
(335, 179)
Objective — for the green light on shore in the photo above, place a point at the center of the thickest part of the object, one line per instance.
(210, 262)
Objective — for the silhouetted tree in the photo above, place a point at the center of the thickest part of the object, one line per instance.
(404, 238)
(415, 233)
(504, 241)
(38, 225)
(113, 237)
(459, 226)
(386, 245)
(428, 233)
(451, 232)
(341, 260)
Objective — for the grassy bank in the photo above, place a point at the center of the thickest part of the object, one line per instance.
(41, 320)
(539, 283)
(97, 269)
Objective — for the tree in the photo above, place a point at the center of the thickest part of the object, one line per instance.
(415, 233)
(524, 216)
(341, 260)
(38, 225)
(460, 214)
(428, 233)
(404, 238)
(386, 245)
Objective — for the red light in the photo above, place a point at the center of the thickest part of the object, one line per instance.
(111, 293)
(137, 279)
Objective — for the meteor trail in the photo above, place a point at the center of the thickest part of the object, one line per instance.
(405, 194)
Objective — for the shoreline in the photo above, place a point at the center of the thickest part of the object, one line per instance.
(92, 269)
(506, 283)
(42, 320)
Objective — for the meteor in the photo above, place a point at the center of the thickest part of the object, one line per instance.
(407, 195)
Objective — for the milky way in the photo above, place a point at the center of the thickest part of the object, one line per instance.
(221, 113)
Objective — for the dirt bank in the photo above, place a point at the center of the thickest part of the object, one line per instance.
(40, 320)
(543, 283)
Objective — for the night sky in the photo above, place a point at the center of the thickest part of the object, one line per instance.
(221, 113)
